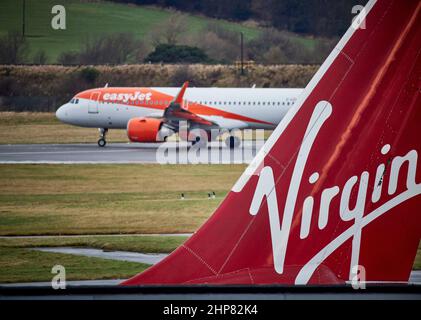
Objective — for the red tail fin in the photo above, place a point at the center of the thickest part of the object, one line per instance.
(336, 185)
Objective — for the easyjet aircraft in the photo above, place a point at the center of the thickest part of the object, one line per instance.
(153, 114)
(334, 194)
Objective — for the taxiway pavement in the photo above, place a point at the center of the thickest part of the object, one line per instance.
(215, 153)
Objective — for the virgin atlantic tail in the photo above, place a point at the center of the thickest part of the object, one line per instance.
(336, 189)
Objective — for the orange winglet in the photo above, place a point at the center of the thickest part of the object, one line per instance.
(180, 95)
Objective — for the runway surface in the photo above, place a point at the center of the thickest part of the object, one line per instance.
(215, 153)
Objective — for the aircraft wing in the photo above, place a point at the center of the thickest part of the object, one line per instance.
(178, 110)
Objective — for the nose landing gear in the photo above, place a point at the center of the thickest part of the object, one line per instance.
(102, 133)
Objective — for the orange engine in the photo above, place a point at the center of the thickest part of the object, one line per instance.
(144, 130)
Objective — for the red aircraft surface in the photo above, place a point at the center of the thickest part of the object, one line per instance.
(336, 189)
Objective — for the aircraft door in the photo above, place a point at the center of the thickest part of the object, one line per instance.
(93, 102)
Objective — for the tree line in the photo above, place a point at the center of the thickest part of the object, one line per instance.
(326, 18)
(168, 43)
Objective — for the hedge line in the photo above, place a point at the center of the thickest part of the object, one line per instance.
(44, 88)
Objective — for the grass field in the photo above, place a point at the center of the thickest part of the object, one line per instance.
(87, 199)
(43, 127)
(39, 127)
(417, 262)
(89, 18)
(85, 19)
(19, 263)
(24, 265)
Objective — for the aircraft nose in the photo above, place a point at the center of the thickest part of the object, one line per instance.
(61, 112)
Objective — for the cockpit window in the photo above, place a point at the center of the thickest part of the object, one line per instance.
(77, 101)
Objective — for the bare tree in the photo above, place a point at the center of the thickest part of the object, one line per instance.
(290, 50)
(219, 43)
(13, 48)
(170, 31)
(68, 57)
(112, 49)
(40, 57)
(274, 56)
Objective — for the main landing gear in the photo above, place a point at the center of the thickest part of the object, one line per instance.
(102, 133)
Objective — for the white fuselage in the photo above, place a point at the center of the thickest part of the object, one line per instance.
(228, 107)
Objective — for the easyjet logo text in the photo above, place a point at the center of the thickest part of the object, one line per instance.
(126, 97)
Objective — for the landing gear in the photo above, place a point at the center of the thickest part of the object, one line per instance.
(232, 142)
(102, 133)
(102, 142)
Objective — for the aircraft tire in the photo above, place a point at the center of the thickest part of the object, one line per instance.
(102, 142)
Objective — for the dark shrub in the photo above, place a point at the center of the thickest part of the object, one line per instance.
(167, 53)
(89, 74)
